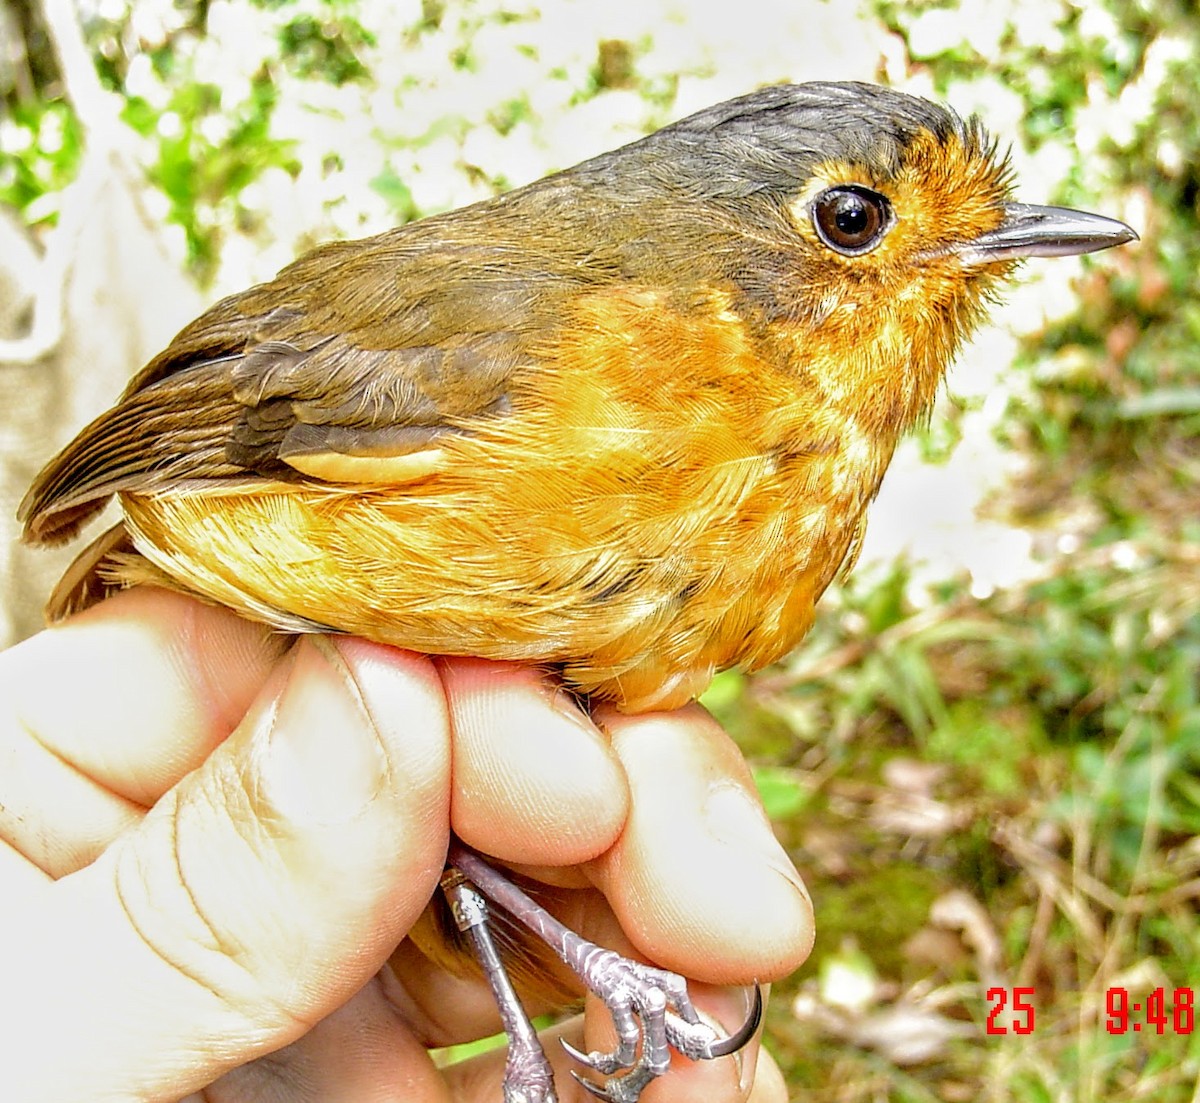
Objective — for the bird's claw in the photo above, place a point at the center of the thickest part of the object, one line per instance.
(600, 1091)
(723, 1047)
(650, 1007)
(640, 999)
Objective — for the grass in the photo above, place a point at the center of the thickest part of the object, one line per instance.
(997, 795)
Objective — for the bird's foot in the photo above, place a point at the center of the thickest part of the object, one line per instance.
(527, 1074)
(650, 1007)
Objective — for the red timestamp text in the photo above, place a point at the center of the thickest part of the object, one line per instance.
(1163, 1011)
(1010, 1011)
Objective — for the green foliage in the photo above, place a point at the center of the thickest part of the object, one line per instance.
(1066, 711)
(389, 186)
(877, 909)
(209, 145)
(40, 148)
(199, 174)
(327, 48)
(783, 792)
(1139, 411)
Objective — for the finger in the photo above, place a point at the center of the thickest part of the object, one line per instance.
(698, 880)
(769, 1084)
(362, 1053)
(255, 898)
(534, 779)
(106, 712)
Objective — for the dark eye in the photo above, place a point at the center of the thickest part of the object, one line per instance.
(851, 219)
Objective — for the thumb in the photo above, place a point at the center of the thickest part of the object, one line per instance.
(256, 897)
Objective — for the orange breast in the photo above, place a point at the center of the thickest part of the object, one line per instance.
(664, 501)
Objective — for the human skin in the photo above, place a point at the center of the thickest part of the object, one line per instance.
(214, 842)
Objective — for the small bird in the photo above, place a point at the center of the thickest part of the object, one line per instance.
(624, 422)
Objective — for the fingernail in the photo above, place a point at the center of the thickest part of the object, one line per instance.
(734, 819)
(324, 761)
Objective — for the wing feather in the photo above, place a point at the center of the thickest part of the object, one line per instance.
(365, 350)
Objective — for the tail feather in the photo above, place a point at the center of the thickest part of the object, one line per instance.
(84, 584)
(166, 434)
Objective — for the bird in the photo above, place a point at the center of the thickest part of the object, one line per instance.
(623, 422)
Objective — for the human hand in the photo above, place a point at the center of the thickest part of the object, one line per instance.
(215, 844)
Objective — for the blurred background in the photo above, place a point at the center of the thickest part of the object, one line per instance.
(986, 757)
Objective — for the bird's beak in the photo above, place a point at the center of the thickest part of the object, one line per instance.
(1029, 230)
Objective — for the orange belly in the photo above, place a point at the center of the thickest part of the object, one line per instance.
(641, 532)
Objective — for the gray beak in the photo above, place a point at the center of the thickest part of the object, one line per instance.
(1029, 230)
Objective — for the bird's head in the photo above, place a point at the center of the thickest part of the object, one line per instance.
(868, 224)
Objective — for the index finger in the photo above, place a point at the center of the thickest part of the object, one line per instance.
(697, 880)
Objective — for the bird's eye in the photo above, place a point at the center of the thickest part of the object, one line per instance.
(851, 219)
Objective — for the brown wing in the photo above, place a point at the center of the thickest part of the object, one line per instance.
(347, 367)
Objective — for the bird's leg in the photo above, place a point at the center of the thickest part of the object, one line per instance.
(648, 1005)
(527, 1074)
